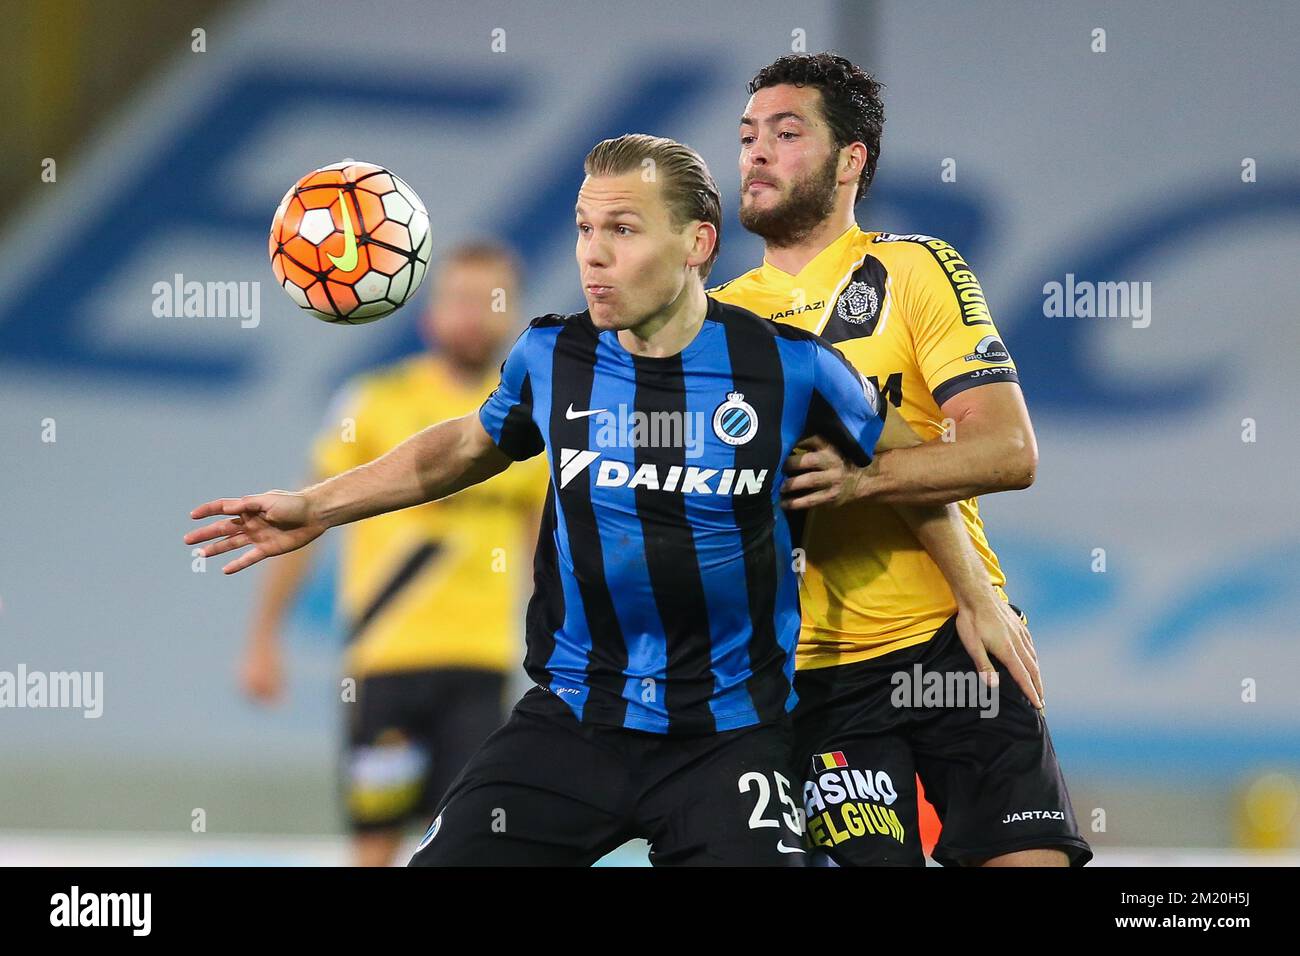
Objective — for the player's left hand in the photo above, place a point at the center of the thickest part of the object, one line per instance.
(995, 628)
(820, 476)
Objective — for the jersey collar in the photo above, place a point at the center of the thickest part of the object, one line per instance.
(841, 246)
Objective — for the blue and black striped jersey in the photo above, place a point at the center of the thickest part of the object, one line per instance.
(666, 597)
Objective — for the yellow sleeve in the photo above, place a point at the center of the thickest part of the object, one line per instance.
(957, 345)
(340, 444)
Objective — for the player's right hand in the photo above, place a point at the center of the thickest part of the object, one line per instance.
(273, 523)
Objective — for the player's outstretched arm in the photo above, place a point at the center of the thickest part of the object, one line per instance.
(434, 463)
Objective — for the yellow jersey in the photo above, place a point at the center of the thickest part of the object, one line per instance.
(909, 313)
(438, 585)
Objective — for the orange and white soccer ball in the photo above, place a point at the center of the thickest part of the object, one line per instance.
(350, 242)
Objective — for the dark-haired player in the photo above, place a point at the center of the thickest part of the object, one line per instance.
(909, 313)
(662, 631)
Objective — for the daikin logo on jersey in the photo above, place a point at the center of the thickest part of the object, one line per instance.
(685, 479)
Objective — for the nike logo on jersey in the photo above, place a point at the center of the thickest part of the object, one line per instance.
(782, 848)
(570, 413)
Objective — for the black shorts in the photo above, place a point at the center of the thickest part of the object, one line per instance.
(409, 733)
(547, 790)
(864, 731)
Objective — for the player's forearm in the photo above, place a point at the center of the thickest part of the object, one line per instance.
(283, 579)
(434, 463)
(939, 472)
(943, 534)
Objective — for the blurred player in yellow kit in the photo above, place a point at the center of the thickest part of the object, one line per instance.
(910, 315)
(429, 594)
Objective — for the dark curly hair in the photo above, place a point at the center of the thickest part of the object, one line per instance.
(850, 100)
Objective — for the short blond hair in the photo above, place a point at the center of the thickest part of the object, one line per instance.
(687, 184)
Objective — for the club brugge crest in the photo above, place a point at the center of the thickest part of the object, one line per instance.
(858, 303)
(735, 421)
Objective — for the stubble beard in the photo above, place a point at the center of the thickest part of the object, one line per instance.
(810, 203)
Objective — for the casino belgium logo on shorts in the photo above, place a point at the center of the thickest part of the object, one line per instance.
(735, 420)
(843, 802)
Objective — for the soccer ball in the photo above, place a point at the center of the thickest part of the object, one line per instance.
(350, 242)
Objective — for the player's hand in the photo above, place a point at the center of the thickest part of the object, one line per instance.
(261, 673)
(995, 628)
(272, 523)
(819, 476)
